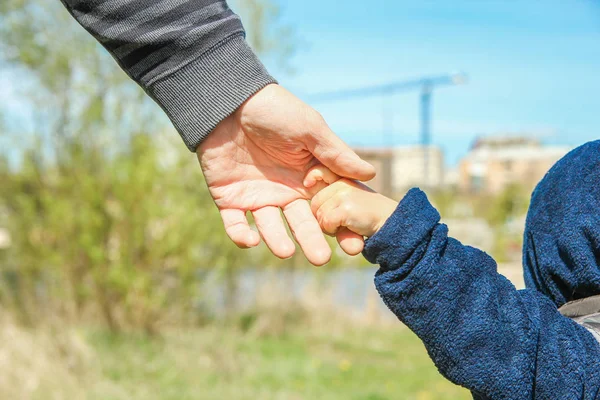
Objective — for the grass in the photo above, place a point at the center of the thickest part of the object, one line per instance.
(224, 363)
(302, 358)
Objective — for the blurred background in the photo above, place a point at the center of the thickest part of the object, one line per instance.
(117, 280)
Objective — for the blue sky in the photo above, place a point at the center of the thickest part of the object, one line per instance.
(534, 67)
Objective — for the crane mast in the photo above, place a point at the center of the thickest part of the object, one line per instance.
(426, 85)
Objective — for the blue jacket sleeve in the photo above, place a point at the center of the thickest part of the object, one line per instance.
(480, 331)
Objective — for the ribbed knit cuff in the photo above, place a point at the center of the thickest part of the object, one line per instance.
(203, 93)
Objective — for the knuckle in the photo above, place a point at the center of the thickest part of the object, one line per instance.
(345, 193)
(347, 207)
(316, 117)
(329, 226)
(321, 218)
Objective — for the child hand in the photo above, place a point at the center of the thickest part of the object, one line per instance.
(317, 179)
(346, 204)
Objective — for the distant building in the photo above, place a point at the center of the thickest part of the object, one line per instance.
(382, 160)
(400, 168)
(495, 162)
(417, 166)
(451, 177)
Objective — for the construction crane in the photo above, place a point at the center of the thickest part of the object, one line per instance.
(426, 85)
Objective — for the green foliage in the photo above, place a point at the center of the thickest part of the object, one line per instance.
(72, 84)
(504, 213)
(445, 200)
(116, 233)
(107, 217)
(511, 203)
(356, 363)
(265, 32)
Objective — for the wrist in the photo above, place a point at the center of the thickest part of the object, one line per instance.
(405, 230)
(203, 93)
(385, 208)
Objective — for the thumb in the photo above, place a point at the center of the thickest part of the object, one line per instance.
(332, 152)
(318, 178)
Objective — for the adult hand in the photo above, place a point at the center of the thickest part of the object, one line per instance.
(256, 160)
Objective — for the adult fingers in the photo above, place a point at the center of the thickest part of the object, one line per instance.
(332, 152)
(352, 243)
(307, 232)
(238, 229)
(270, 225)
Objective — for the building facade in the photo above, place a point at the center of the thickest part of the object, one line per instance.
(403, 167)
(493, 163)
(382, 160)
(417, 166)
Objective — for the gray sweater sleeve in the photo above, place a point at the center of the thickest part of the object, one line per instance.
(190, 56)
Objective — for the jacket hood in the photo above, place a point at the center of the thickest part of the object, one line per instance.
(561, 246)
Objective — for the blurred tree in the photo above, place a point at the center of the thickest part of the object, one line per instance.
(511, 203)
(265, 31)
(107, 214)
(445, 200)
(502, 212)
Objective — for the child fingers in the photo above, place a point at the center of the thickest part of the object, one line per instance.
(270, 225)
(331, 219)
(319, 173)
(318, 178)
(352, 243)
(317, 187)
(329, 193)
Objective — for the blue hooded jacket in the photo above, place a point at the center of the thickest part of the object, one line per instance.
(482, 333)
